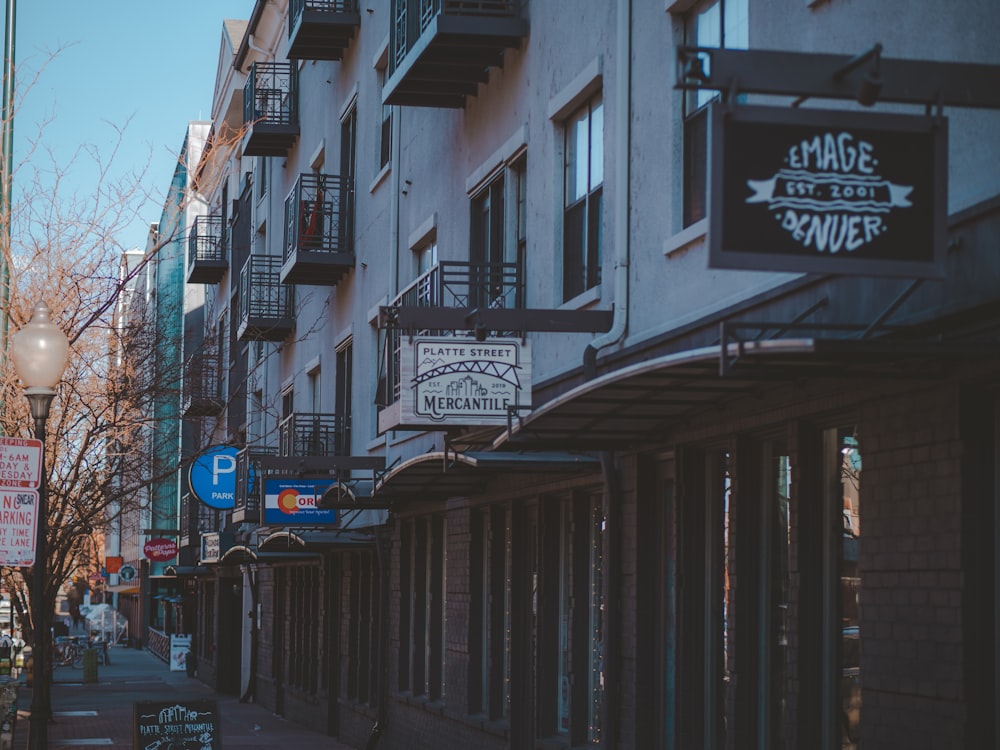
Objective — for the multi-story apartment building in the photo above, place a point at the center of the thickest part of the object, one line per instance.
(543, 346)
(157, 304)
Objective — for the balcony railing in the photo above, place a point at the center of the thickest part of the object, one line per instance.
(310, 434)
(196, 519)
(270, 109)
(441, 50)
(206, 251)
(249, 484)
(265, 303)
(318, 241)
(321, 29)
(201, 392)
(451, 284)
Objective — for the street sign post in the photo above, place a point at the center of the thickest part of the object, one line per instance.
(18, 526)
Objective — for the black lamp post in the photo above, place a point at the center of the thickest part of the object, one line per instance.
(39, 351)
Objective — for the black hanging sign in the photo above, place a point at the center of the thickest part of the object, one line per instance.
(827, 191)
(177, 725)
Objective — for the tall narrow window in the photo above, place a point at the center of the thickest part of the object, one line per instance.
(383, 134)
(348, 173)
(842, 472)
(714, 23)
(315, 397)
(342, 408)
(583, 171)
(487, 246)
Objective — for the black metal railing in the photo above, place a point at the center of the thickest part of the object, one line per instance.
(205, 239)
(318, 215)
(249, 482)
(451, 284)
(310, 434)
(270, 95)
(196, 519)
(412, 17)
(201, 392)
(262, 295)
(297, 7)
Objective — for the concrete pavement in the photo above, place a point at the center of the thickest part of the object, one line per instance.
(101, 714)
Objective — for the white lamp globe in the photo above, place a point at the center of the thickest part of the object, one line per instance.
(40, 350)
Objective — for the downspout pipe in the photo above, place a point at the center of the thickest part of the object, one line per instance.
(622, 201)
(612, 486)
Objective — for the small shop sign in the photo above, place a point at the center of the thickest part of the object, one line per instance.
(450, 381)
(295, 502)
(827, 191)
(160, 550)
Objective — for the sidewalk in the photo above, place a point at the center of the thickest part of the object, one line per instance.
(101, 714)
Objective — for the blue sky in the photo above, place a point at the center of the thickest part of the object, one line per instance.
(146, 62)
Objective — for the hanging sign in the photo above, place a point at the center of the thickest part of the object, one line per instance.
(160, 550)
(294, 502)
(449, 381)
(827, 191)
(212, 477)
(126, 573)
(18, 526)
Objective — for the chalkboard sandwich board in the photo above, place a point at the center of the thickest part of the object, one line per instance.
(176, 725)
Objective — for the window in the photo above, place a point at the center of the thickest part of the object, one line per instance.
(342, 407)
(498, 237)
(571, 601)
(383, 135)
(363, 629)
(422, 607)
(583, 171)
(716, 23)
(298, 586)
(287, 403)
(261, 177)
(489, 621)
(704, 607)
(315, 392)
(348, 173)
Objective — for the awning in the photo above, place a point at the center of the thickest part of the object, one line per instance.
(187, 570)
(636, 405)
(123, 588)
(443, 474)
(292, 540)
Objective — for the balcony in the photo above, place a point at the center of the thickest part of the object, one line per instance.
(196, 519)
(249, 489)
(206, 261)
(447, 287)
(441, 50)
(270, 109)
(309, 434)
(321, 29)
(265, 304)
(201, 392)
(318, 242)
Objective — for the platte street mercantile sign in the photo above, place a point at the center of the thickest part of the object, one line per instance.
(827, 191)
(452, 381)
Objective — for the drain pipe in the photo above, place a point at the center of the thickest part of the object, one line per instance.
(622, 233)
(612, 488)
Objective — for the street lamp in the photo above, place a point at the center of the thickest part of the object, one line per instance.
(39, 351)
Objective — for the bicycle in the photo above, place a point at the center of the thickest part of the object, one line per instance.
(67, 652)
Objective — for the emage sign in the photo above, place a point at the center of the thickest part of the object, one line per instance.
(827, 191)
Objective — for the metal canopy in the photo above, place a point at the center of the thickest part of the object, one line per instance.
(867, 77)
(291, 541)
(439, 475)
(187, 570)
(637, 406)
